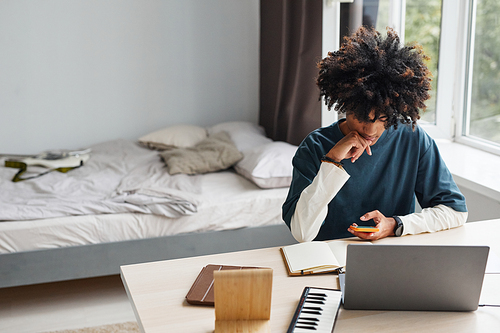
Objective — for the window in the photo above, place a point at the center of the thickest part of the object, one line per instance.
(462, 37)
(481, 121)
(423, 25)
(414, 20)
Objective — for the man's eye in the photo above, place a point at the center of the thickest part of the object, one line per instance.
(383, 118)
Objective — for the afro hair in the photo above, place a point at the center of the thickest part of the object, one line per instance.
(370, 73)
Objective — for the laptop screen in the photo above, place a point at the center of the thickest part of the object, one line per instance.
(414, 277)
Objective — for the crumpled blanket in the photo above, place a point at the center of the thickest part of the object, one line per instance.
(119, 177)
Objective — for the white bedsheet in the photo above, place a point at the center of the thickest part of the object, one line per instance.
(227, 201)
(119, 177)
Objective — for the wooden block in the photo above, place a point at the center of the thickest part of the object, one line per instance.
(243, 300)
(242, 326)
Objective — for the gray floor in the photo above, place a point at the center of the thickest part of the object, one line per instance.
(64, 305)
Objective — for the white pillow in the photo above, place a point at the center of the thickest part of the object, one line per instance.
(269, 165)
(178, 136)
(245, 135)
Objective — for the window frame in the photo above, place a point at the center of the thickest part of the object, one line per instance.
(448, 76)
(455, 59)
(467, 52)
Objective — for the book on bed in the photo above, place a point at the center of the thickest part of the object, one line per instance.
(316, 257)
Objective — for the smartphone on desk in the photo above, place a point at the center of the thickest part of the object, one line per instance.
(363, 228)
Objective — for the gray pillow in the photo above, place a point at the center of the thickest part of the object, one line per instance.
(217, 152)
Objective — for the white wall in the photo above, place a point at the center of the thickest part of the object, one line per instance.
(75, 73)
(480, 206)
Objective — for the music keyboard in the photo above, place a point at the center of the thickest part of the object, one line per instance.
(317, 311)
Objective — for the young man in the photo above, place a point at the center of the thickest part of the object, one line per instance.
(368, 168)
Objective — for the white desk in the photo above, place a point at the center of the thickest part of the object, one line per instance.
(157, 291)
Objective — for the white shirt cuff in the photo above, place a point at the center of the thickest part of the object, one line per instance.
(432, 219)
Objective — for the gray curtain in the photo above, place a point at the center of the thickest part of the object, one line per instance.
(290, 48)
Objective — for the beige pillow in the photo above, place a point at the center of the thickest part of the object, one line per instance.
(174, 136)
(217, 152)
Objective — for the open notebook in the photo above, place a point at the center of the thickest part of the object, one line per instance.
(317, 257)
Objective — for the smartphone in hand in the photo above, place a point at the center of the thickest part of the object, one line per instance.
(360, 228)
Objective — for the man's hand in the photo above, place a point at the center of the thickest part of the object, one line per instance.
(384, 224)
(352, 146)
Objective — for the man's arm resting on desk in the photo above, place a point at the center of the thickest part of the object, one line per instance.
(312, 206)
(432, 219)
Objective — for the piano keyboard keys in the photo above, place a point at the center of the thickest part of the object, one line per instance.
(316, 312)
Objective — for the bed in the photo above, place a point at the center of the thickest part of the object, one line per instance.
(178, 192)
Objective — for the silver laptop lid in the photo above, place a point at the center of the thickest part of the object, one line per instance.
(414, 277)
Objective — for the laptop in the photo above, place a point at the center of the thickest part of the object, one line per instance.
(413, 277)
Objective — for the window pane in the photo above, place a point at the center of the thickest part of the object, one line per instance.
(363, 12)
(484, 119)
(423, 25)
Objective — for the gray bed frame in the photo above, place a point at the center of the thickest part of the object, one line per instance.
(77, 262)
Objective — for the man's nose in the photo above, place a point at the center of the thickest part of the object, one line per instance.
(370, 128)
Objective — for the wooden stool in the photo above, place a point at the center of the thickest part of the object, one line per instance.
(243, 300)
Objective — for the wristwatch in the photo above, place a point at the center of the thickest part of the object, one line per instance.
(398, 229)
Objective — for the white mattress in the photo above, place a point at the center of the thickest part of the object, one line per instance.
(229, 201)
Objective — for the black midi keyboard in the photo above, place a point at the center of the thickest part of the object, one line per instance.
(317, 311)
